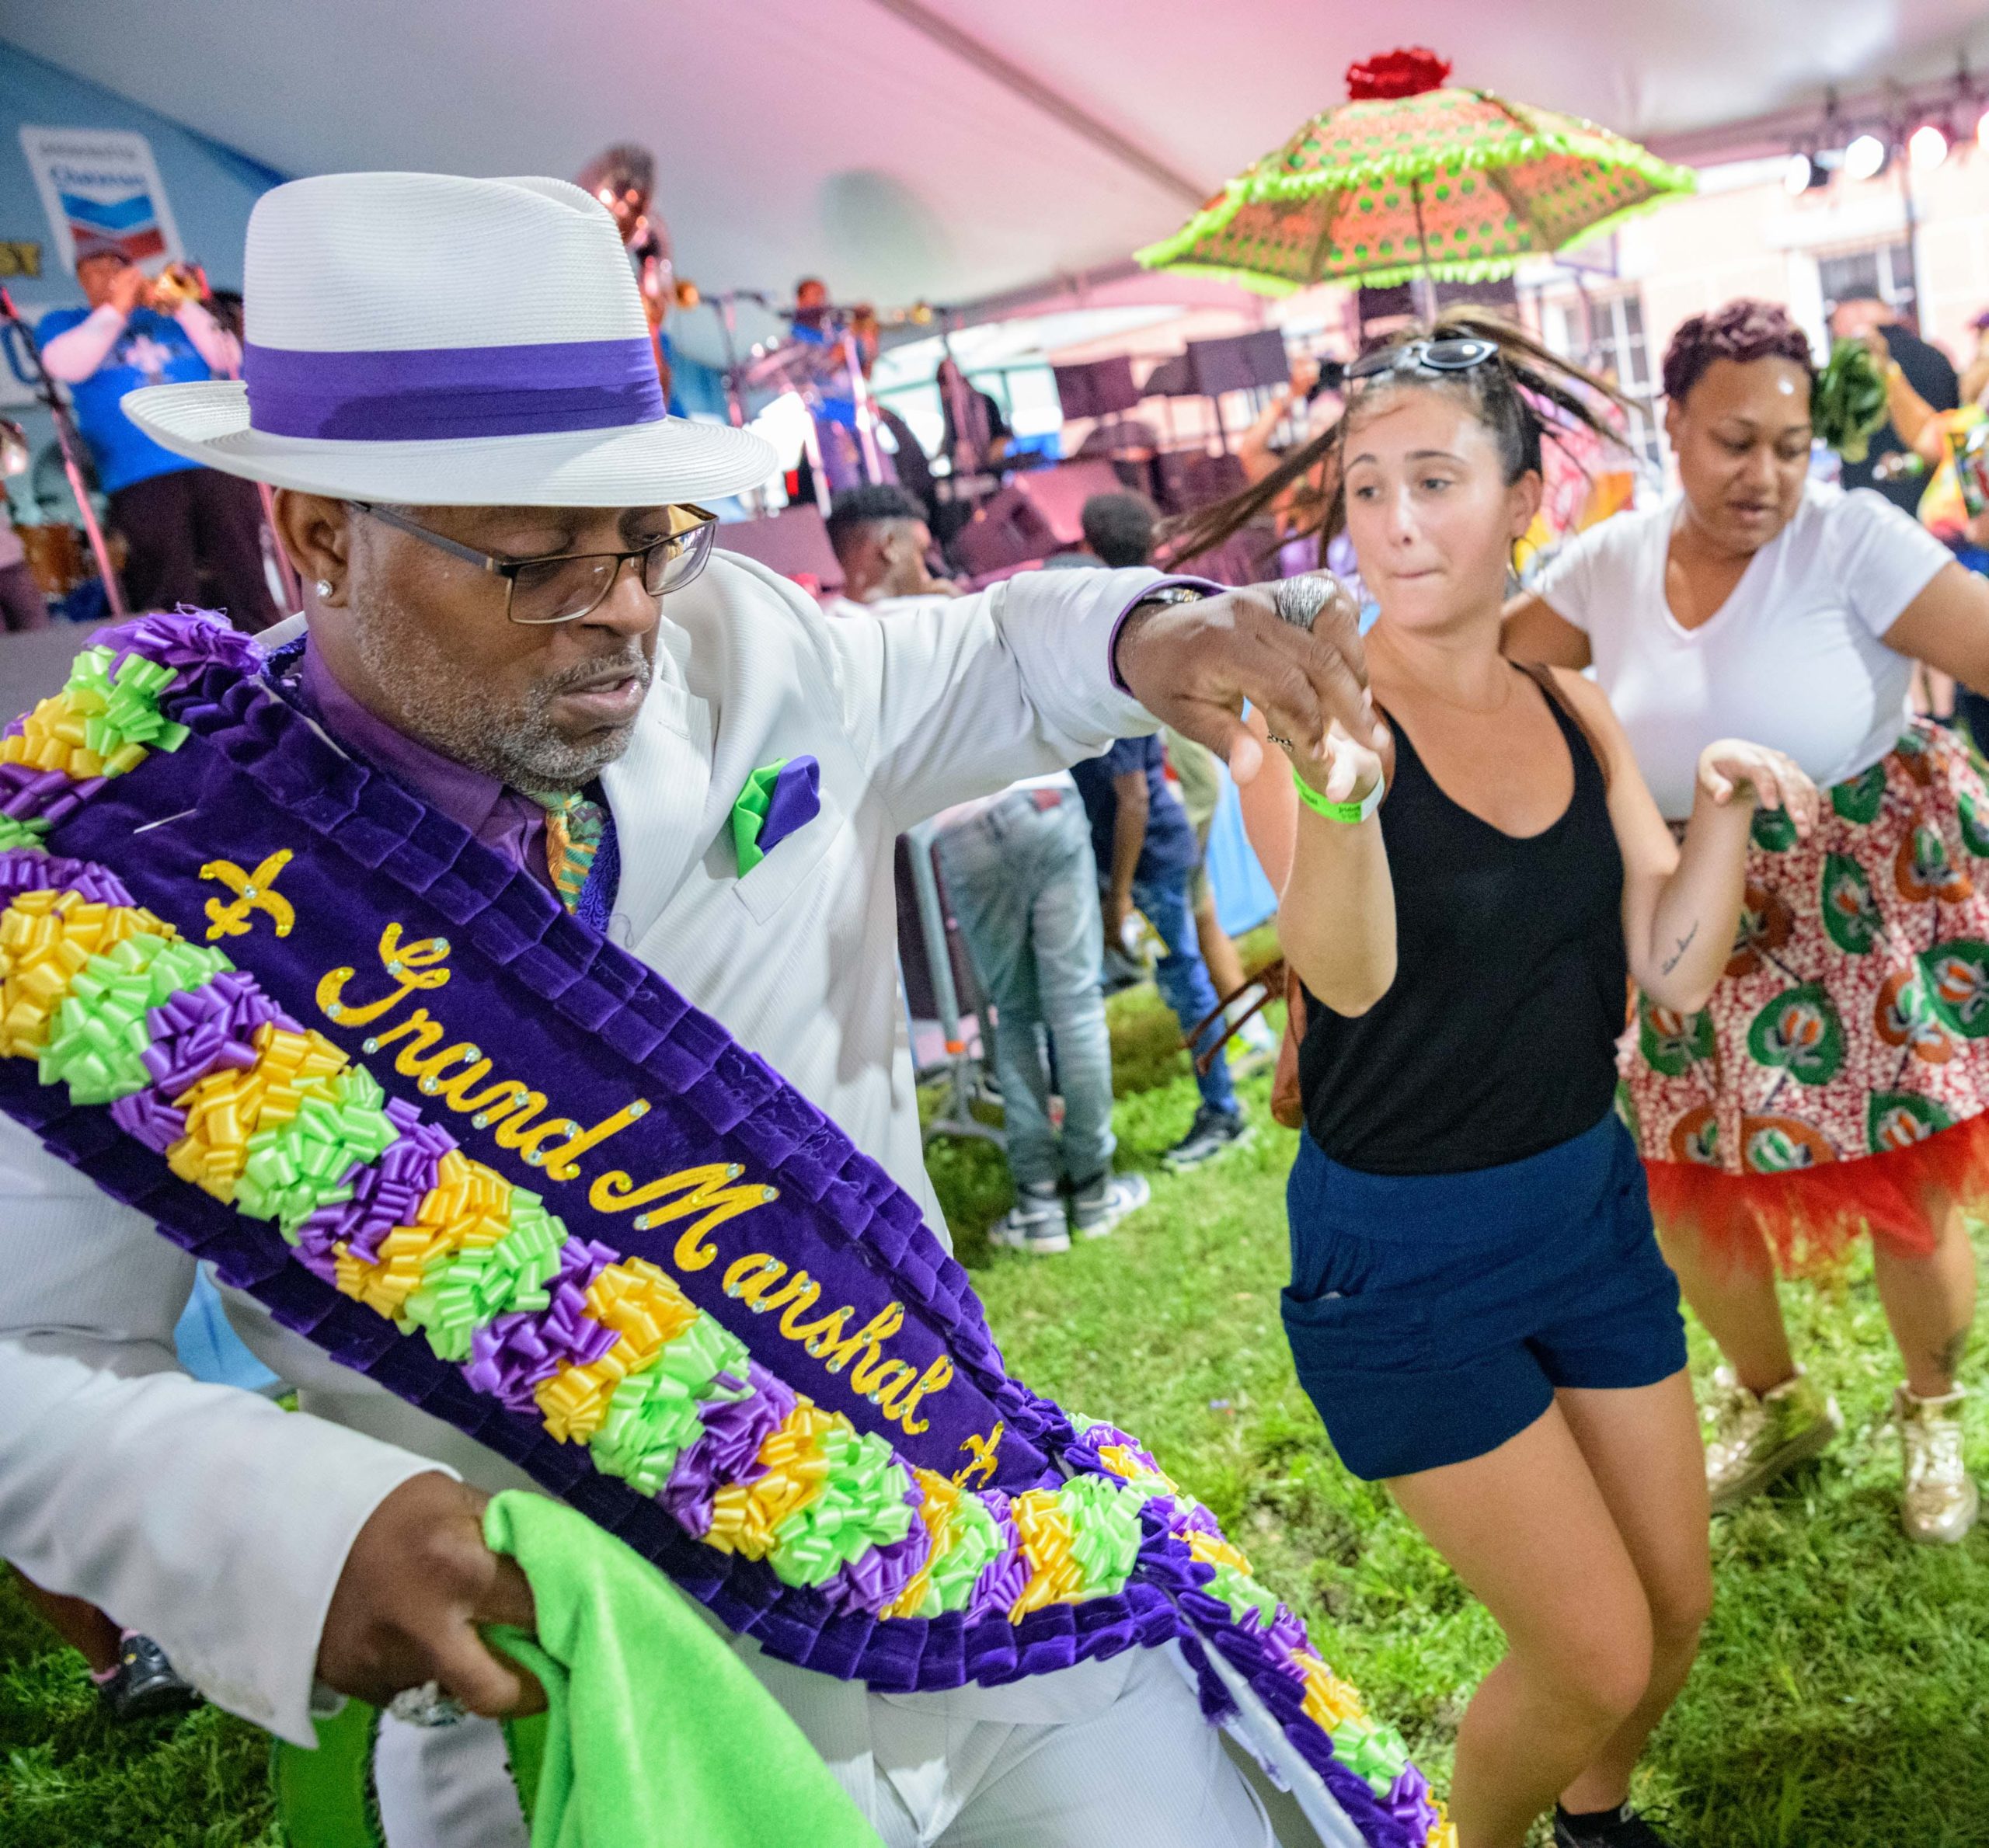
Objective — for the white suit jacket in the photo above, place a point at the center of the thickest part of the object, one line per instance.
(217, 1522)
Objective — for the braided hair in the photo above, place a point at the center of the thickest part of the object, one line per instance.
(1524, 394)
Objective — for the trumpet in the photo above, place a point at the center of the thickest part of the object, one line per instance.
(176, 285)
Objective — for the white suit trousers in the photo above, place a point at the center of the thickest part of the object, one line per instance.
(1142, 1767)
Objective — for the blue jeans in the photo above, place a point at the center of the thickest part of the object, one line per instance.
(1024, 886)
(1183, 976)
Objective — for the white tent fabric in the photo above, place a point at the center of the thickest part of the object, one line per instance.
(945, 149)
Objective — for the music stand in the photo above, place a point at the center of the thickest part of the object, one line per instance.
(1237, 363)
(1097, 387)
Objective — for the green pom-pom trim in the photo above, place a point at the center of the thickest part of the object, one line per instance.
(16, 834)
(974, 1542)
(461, 1291)
(1530, 136)
(862, 1505)
(297, 1167)
(1371, 1751)
(122, 708)
(653, 1414)
(97, 1043)
(1105, 1531)
(1242, 1593)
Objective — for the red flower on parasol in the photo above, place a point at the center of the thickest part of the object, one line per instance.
(1390, 75)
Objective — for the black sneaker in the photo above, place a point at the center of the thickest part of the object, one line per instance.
(1607, 1829)
(144, 1685)
(1212, 1132)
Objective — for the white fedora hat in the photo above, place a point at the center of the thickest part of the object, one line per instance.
(418, 338)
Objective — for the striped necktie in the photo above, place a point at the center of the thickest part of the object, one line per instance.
(572, 837)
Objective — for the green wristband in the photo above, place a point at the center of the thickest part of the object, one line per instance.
(1351, 814)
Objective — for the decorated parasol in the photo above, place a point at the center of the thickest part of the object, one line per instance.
(1412, 179)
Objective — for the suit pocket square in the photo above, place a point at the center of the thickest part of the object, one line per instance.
(779, 798)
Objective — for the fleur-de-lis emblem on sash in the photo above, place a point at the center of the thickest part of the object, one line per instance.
(983, 1450)
(253, 892)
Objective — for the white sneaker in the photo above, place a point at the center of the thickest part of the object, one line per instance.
(1096, 1209)
(1939, 1502)
(1035, 1222)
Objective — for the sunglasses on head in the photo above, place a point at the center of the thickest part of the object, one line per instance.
(1454, 352)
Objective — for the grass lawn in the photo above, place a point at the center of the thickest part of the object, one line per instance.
(1842, 1700)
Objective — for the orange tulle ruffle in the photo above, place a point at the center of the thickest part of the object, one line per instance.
(1810, 1216)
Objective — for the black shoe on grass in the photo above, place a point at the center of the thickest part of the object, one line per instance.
(144, 1685)
(1607, 1829)
(1212, 1132)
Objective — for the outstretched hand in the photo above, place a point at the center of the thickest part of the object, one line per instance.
(1193, 665)
(1729, 766)
(416, 1586)
(1344, 771)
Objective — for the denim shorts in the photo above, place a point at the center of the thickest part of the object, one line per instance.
(1431, 1317)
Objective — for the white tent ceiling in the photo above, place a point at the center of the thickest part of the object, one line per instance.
(944, 149)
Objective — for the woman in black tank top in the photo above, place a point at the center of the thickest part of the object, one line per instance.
(1503, 1043)
(1477, 1307)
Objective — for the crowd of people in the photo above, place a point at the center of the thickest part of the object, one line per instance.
(1059, 884)
(1640, 937)
(1574, 801)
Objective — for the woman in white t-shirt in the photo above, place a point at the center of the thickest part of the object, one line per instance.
(1841, 1072)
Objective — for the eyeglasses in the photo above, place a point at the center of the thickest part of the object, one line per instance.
(1457, 353)
(570, 585)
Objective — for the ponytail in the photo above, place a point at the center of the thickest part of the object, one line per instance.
(1524, 394)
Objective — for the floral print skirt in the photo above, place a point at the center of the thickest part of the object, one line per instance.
(1839, 1077)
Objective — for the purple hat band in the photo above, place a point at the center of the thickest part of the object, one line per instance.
(439, 393)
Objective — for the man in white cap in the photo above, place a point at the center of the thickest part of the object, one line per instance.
(452, 386)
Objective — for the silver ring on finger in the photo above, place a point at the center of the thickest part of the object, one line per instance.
(1300, 599)
(1285, 743)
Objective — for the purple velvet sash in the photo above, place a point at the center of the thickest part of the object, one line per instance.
(376, 883)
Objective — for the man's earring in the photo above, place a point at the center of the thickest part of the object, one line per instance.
(324, 587)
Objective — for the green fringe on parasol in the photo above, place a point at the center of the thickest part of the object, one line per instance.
(1455, 185)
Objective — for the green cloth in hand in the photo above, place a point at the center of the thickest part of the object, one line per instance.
(655, 1732)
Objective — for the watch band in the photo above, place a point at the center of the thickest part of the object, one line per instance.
(1160, 598)
(1170, 593)
(1349, 814)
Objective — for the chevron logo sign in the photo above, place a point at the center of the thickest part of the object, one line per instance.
(130, 222)
(99, 184)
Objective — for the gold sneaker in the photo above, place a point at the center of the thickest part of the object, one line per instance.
(1755, 1438)
(1939, 1503)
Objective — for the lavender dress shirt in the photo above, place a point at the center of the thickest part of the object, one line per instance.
(512, 824)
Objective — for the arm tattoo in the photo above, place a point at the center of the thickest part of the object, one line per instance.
(1684, 944)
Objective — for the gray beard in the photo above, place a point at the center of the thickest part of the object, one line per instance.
(521, 746)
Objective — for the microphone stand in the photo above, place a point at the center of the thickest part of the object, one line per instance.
(727, 302)
(70, 443)
(859, 391)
